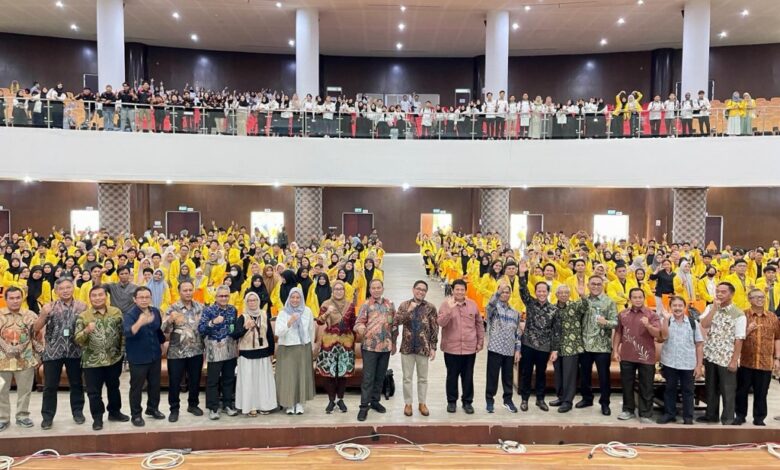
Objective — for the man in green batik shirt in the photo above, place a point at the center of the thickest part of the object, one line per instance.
(567, 364)
(597, 326)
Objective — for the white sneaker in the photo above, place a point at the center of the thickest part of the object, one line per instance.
(626, 415)
(290, 411)
(298, 409)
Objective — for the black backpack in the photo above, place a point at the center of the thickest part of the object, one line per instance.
(388, 386)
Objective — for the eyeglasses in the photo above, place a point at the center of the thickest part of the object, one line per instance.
(421, 289)
(223, 296)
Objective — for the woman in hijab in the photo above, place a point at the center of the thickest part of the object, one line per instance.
(287, 282)
(484, 265)
(684, 283)
(38, 290)
(320, 292)
(294, 374)
(257, 286)
(48, 273)
(504, 322)
(236, 275)
(161, 297)
(304, 281)
(91, 261)
(256, 388)
(336, 359)
(735, 109)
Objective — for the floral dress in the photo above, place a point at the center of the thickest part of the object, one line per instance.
(337, 351)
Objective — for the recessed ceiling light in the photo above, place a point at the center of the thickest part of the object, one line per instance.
(168, 181)
(401, 26)
(603, 41)
(175, 15)
(59, 5)
(723, 34)
(399, 46)
(405, 186)
(74, 27)
(745, 12)
(621, 20)
(640, 2)
(278, 4)
(291, 42)
(515, 26)
(403, 8)
(194, 37)
(525, 186)
(528, 8)
(27, 179)
(277, 184)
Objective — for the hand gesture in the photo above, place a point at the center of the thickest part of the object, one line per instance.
(580, 290)
(90, 328)
(752, 326)
(601, 320)
(249, 323)
(146, 318)
(645, 322)
(716, 303)
(698, 372)
(46, 310)
(219, 320)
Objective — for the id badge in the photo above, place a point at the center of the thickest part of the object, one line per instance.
(231, 327)
(66, 332)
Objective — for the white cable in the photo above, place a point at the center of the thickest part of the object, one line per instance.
(511, 447)
(163, 459)
(773, 449)
(353, 452)
(6, 462)
(615, 449)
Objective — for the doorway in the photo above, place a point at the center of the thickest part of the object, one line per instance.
(435, 222)
(522, 228)
(353, 223)
(84, 221)
(610, 227)
(269, 223)
(176, 221)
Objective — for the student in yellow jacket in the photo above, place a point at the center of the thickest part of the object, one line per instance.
(579, 281)
(161, 295)
(369, 273)
(37, 290)
(706, 285)
(618, 289)
(742, 284)
(319, 291)
(287, 283)
(768, 283)
(549, 276)
(513, 281)
(685, 283)
(488, 283)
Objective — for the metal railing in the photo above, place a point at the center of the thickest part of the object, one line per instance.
(433, 124)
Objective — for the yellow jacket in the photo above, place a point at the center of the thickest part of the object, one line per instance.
(702, 293)
(619, 293)
(572, 283)
(680, 290)
(740, 294)
(761, 284)
(515, 301)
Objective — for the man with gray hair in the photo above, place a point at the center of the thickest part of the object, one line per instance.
(59, 318)
(571, 347)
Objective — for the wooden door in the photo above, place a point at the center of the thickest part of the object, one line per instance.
(535, 224)
(176, 221)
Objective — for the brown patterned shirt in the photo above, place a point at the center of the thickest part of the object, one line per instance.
(381, 330)
(758, 349)
(19, 347)
(421, 330)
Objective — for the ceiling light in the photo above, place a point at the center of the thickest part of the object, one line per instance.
(27, 179)
(168, 181)
(291, 42)
(405, 186)
(603, 41)
(175, 15)
(401, 26)
(73, 27)
(528, 8)
(745, 12)
(723, 34)
(194, 37)
(525, 186)
(403, 8)
(278, 4)
(515, 26)
(640, 2)
(59, 5)
(277, 184)
(621, 20)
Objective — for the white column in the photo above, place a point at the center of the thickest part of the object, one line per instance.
(497, 52)
(111, 43)
(696, 47)
(307, 52)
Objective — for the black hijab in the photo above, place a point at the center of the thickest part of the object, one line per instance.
(323, 292)
(304, 282)
(484, 268)
(290, 282)
(236, 281)
(464, 262)
(261, 291)
(34, 288)
(369, 273)
(49, 277)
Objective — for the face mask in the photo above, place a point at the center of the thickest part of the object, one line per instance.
(234, 273)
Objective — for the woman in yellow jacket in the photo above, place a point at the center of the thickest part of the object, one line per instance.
(282, 290)
(38, 290)
(368, 274)
(161, 295)
(735, 111)
(349, 291)
(319, 292)
(685, 283)
(488, 283)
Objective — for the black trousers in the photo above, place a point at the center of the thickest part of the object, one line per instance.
(602, 361)
(720, 383)
(140, 373)
(498, 363)
(755, 379)
(655, 126)
(374, 370)
(682, 379)
(225, 370)
(500, 127)
(628, 377)
(687, 126)
(566, 377)
(177, 368)
(460, 366)
(95, 378)
(533, 359)
(670, 126)
(704, 125)
(335, 387)
(52, 370)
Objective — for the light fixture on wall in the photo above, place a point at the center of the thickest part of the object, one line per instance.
(59, 4)
(291, 42)
(515, 26)
(175, 15)
(403, 8)
(640, 2)
(27, 179)
(401, 26)
(723, 34)
(528, 8)
(278, 4)
(621, 21)
(399, 46)
(603, 41)
(194, 37)
(745, 12)
(168, 181)
(74, 27)
(277, 184)
(405, 186)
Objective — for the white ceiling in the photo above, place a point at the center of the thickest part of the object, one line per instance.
(451, 28)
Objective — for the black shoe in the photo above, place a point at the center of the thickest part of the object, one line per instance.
(688, 421)
(119, 417)
(605, 410)
(173, 417)
(739, 421)
(703, 419)
(759, 423)
(583, 404)
(330, 407)
(468, 408)
(565, 408)
(542, 405)
(195, 410)
(556, 402)
(666, 419)
(138, 421)
(156, 414)
(79, 418)
(362, 414)
(451, 408)
(524, 405)
(97, 425)
(376, 406)
(46, 424)
(341, 405)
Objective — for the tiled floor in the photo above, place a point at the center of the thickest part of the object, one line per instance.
(400, 273)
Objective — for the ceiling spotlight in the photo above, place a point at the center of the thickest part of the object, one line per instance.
(168, 181)
(640, 2)
(405, 186)
(399, 46)
(621, 20)
(528, 8)
(278, 4)
(175, 15)
(74, 27)
(291, 42)
(603, 41)
(277, 184)
(745, 12)
(515, 26)
(27, 179)
(403, 8)
(401, 26)
(59, 5)
(525, 186)
(723, 34)
(194, 37)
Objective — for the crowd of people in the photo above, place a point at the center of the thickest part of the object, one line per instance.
(90, 302)
(150, 107)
